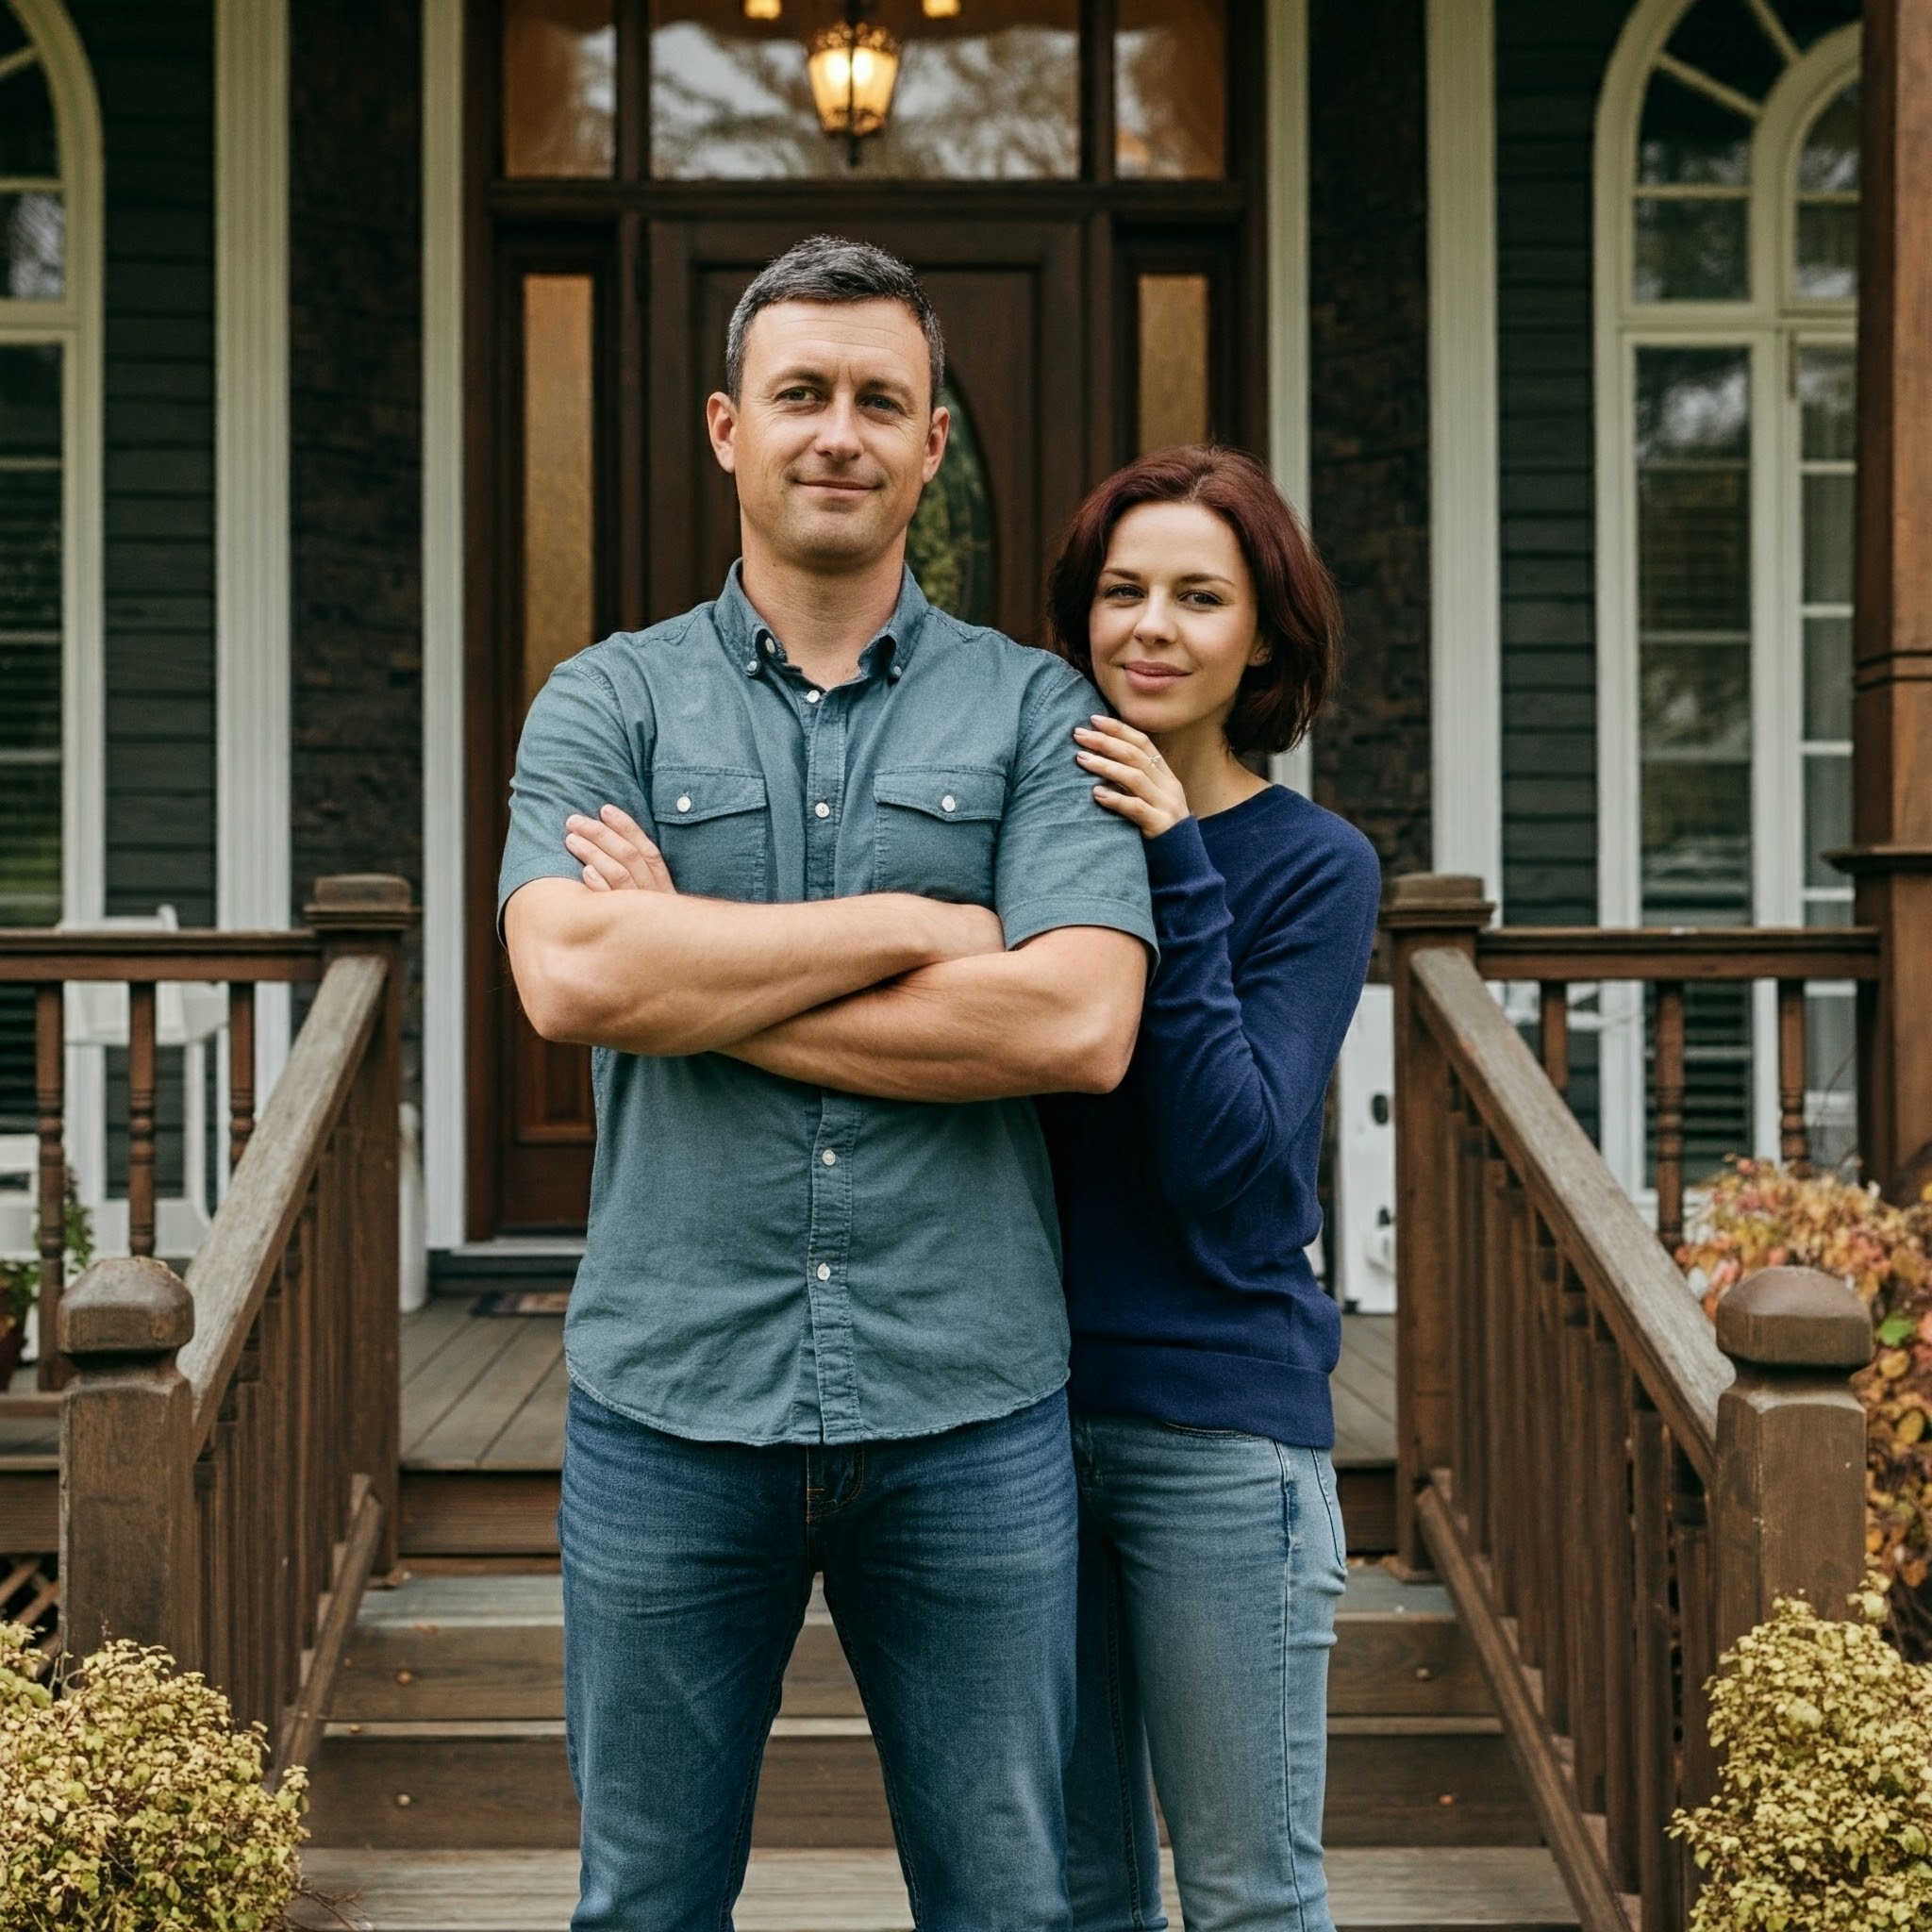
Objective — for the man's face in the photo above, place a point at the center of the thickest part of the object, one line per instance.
(834, 434)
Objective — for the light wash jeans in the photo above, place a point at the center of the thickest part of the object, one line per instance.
(1211, 1566)
(950, 1568)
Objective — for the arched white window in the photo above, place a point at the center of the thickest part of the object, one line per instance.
(1726, 203)
(51, 845)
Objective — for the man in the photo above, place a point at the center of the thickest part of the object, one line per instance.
(819, 1321)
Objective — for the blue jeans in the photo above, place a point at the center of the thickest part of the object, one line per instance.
(1211, 1566)
(950, 1565)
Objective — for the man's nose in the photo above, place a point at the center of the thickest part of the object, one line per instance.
(839, 428)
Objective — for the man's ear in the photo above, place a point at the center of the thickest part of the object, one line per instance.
(721, 423)
(937, 431)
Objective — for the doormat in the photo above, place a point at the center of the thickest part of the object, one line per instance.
(523, 1301)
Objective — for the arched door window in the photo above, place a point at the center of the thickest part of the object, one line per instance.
(1726, 280)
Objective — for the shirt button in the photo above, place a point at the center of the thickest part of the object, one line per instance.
(771, 648)
(683, 805)
(948, 803)
(825, 1272)
(751, 667)
(821, 810)
(829, 1158)
(811, 697)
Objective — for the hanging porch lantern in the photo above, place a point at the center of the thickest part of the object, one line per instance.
(854, 67)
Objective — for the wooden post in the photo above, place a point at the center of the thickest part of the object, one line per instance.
(1787, 1505)
(363, 913)
(129, 1566)
(1892, 714)
(1422, 911)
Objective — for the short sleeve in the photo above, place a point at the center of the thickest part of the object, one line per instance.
(1063, 859)
(578, 753)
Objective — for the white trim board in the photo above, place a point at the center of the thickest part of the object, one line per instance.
(1287, 56)
(1465, 527)
(444, 1126)
(252, 614)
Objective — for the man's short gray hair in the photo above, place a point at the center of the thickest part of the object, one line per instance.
(828, 268)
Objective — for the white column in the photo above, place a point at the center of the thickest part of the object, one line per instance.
(1465, 537)
(252, 857)
(1287, 96)
(444, 1125)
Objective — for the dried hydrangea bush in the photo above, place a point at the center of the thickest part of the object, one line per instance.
(1761, 1215)
(129, 1803)
(1822, 1819)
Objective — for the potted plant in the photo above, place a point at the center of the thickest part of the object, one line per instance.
(1822, 1816)
(20, 1281)
(128, 1801)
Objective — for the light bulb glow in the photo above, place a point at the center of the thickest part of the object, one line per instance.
(763, 9)
(853, 68)
(941, 10)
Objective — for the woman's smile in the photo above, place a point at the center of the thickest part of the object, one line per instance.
(1151, 677)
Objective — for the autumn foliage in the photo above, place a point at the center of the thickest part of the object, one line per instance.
(1761, 1215)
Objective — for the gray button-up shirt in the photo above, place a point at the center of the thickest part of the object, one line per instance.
(771, 1262)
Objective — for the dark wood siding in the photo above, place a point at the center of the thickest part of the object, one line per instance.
(1369, 410)
(154, 69)
(356, 476)
(1550, 64)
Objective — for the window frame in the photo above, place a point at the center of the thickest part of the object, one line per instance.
(73, 322)
(1767, 324)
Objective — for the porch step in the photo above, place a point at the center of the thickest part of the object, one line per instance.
(1450, 1890)
(442, 1647)
(512, 1512)
(447, 1730)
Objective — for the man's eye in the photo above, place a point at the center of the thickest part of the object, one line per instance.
(796, 395)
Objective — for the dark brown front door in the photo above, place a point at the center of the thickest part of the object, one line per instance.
(1009, 300)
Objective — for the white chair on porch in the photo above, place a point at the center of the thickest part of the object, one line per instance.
(187, 1016)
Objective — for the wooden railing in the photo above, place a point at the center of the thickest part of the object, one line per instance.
(1612, 1490)
(228, 1447)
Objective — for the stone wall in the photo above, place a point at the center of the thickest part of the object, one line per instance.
(1369, 410)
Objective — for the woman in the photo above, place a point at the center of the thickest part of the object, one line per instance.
(1211, 1551)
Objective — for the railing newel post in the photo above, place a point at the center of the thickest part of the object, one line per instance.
(1787, 1501)
(365, 914)
(129, 1558)
(1420, 911)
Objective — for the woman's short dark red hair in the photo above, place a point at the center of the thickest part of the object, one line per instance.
(1301, 616)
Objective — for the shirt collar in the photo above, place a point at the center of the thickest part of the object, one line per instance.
(744, 631)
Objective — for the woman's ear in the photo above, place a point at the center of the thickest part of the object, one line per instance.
(1262, 652)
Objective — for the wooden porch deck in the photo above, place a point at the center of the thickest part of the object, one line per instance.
(487, 1392)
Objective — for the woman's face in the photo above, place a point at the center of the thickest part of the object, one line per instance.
(1174, 623)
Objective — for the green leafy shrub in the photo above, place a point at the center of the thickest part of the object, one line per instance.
(20, 1281)
(1823, 1818)
(129, 1803)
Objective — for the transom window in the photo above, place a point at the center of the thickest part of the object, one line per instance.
(1725, 659)
(980, 89)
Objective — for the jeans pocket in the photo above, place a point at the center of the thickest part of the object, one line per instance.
(1331, 1502)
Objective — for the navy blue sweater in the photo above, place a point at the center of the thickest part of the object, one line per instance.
(1188, 1195)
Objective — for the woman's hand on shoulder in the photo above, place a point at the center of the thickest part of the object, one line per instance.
(1139, 784)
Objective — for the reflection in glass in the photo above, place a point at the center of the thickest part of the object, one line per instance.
(31, 644)
(1170, 72)
(1827, 817)
(29, 148)
(33, 245)
(1826, 259)
(1828, 677)
(1685, 139)
(1827, 397)
(1695, 633)
(1829, 163)
(950, 544)
(1722, 40)
(1174, 361)
(560, 88)
(992, 94)
(559, 508)
(1828, 538)
(1691, 249)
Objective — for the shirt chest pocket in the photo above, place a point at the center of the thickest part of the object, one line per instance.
(713, 829)
(936, 832)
